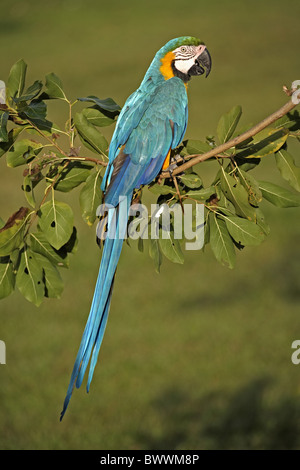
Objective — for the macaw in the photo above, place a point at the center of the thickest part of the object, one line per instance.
(151, 123)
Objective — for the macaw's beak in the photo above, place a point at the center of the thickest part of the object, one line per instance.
(203, 60)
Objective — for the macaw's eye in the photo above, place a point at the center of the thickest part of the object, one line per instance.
(183, 49)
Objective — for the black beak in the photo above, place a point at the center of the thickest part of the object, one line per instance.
(203, 60)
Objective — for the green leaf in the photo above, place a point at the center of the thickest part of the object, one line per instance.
(7, 277)
(193, 147)
(244, 232)
(97, 118)
(265, 143)
(27, 187)
(201, 194)
(289, 171)
(279, 196)
(107, 104)
(47, 127)
(247, 164)
(72, 176)
(155, 253)
(16, 79)
(251, 186)
(40, 244)
(56, 221)
(290, 121)
(89, 134)
(191, 180)
(12, 136)
(161, 189)
(237, 195)
(22, 152)
(221, 243)
(91, 197)
(53, 282)
(54, 87)
(31, 92)
(29, 278)
(35, 110)
(3, 126)
(219, 202)
(227, 124)
(11, 235)
(170, 246)
(261, 221)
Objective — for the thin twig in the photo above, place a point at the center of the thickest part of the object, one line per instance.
(178, 192)
(66, 156)
(52, 142)
(86, 159)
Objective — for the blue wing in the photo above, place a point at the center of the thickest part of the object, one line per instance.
(152, 122)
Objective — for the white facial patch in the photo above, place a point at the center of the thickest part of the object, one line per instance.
(184, 65)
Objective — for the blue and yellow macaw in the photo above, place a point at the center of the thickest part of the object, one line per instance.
(152, 123)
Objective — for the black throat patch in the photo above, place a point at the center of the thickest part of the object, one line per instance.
(185, 77)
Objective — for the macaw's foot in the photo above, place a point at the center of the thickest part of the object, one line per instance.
(174, 163)
(171, 168)
(174, 160)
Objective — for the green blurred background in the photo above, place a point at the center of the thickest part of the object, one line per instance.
(198, 357)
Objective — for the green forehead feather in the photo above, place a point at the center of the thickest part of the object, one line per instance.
(189, 41)
(182, 41)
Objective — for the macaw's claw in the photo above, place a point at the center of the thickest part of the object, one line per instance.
(171, 168)
(174, 164)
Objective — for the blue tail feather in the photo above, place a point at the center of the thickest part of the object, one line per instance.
(98, 341)
(95, 327)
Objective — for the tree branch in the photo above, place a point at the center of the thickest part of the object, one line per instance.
(197, 158)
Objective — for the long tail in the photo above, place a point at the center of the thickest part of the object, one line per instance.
(94, 330)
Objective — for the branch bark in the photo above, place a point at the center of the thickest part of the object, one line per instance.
(197, 158)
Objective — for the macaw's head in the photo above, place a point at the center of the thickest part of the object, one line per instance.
(184, 57)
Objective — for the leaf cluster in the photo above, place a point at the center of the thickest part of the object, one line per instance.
(36, 240)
